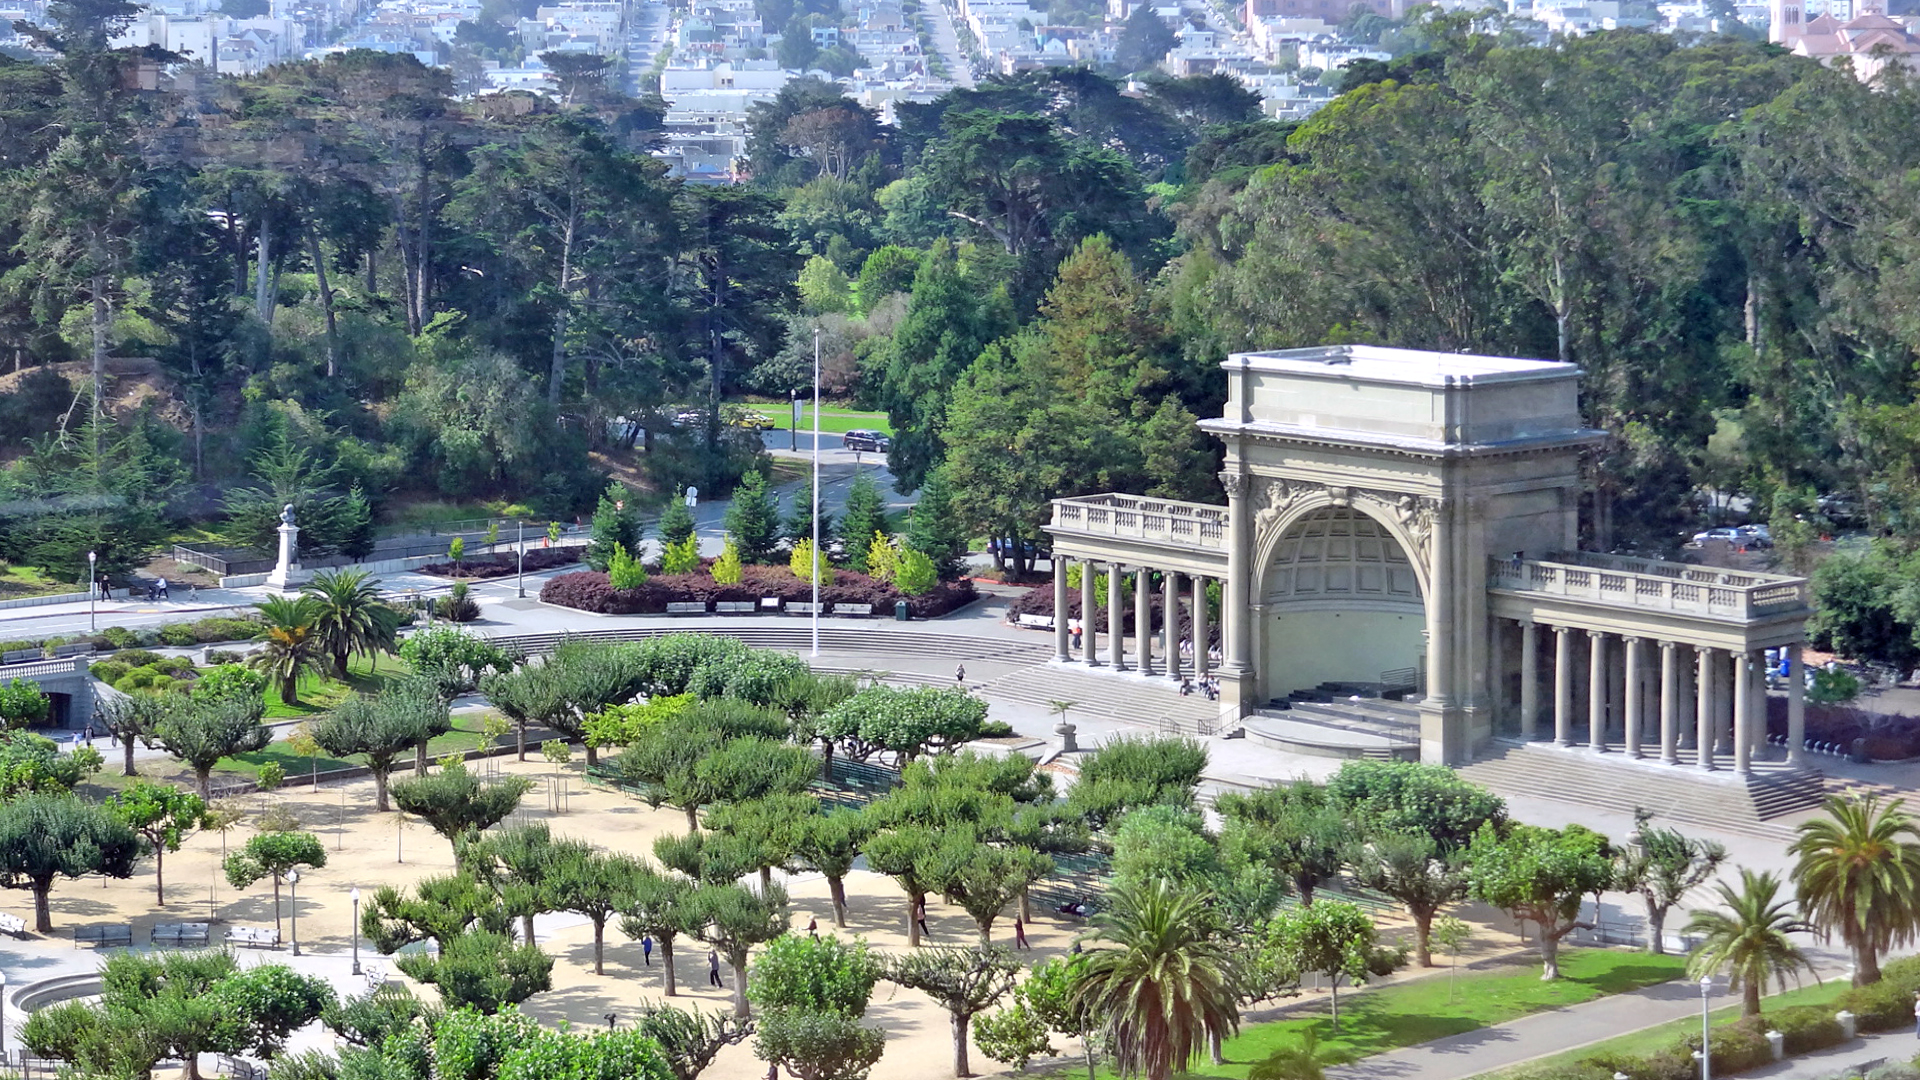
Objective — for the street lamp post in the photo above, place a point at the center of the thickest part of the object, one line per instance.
(814, 571)
(521, 563)
(355, 894)
(1706, 1050)
(293, 888)
(93, 588)
(3, 1016)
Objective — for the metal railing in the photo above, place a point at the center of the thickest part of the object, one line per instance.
(1619, 581)
(1190, 525)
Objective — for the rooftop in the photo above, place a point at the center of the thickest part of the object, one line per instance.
(1410, 367)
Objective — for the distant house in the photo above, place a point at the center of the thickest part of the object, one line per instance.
(1871, 39)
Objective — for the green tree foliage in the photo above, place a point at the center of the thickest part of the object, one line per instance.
(1748, 936)
(452, 658)
(675, 525)
(1163, 986)
(273, 855)
(864, 516)
(905, 722)
(1127, 773)
(454, 800)
(47, 835)
(603, 1055)
(30, 762)
(162, 814)
(1663, 868)
(624, 571)
(753, 519)
(21, 703)
(349, 617)
(1411, 868)
(690, 1039)
(966, 982)
(734, 920)
(934, 528)
(402, 717)
(1540, 876)
(293, 643)
(482, 970)
(726, 568)
(1332, 938)
(811, 993)
(594, 885)
(616, 526)
(1409, 797)
(1144, 41)
(660, 907)
(1856, 874)
(200, 732)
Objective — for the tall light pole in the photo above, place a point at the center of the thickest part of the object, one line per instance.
(1706, 1049)
(355, 894)
(293, 888)
(817, 561)
(522, 567)
(93, 588)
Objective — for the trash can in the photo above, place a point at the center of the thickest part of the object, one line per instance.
(901, 612)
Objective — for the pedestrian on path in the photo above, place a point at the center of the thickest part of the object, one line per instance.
(163, 590)
(1916, 1015)
(920, 916)
(960, 674)
(646, 948)
(1020, 933)
(713, 970)
(813, 927)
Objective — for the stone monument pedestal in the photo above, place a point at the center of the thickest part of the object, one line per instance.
(286, 575)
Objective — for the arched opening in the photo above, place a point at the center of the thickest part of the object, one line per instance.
(1344, 613)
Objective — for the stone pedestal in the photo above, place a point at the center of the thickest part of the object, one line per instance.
(286, 574)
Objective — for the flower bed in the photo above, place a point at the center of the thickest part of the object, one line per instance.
(498, 565)
(589, 590)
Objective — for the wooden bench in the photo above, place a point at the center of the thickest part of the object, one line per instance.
(733, 607)
(102, 935)
(1036, 622)
(804, 609)
(260, 937)
(15, 656)
(862, 610)
(13, 924)
(239, 1068)
(181, 934)
(690, 607)
(78, 649)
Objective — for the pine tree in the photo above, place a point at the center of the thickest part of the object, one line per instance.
(614, 524)
(934, 530)
(753, 518)
(866, 514)
(798, 525)
(676, 522)
(356, 525)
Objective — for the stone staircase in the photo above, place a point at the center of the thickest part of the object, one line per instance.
(1395, 720)
(1129, 700)
(1677, 796)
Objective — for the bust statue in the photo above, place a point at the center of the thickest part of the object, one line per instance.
(286, 514)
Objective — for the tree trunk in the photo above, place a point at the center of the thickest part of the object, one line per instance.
(380, 802)
(100, 328)
(159, 873)
(837, 889)
(766, 880)
(1656, 930)
(1333, 990)
(599, 946)
(1215, 1052)
(262, 249)
(520, 740)
(593, 755)
(960, 1024)
(826, 762)
(557, 365)
(42, 914)
(339, 655)
(326, 309)
(127, 742)
(1866, 965)
(986, 931)
(666, 965)
(420, 760)
(913, 920)
(1750, 998)
(1549, 955)
(1423, 938)
(422, 259)
(1026, 904)
(276, 905)
(202, 785)
(693, 818)
(526, 927)
(739, 966)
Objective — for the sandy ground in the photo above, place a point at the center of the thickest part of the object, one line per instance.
(367, 849)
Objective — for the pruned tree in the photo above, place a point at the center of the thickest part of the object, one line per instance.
(661, 908)
(965, 982)
(454, 800)
(1410, 868)
(165, 816)
(48, 835)
(200, 732)
(1663, 868)
(595, 885)
(402, 717)
(272, 855)
(1540, 876)
(733, 920)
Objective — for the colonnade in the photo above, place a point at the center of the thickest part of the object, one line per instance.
(1174, 585)
(1654, 694)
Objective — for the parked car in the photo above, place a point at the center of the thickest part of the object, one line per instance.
(757, 421)
(865, 439)
(1725, 533)
(1755, 536)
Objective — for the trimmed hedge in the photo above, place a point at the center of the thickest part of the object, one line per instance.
(589, 590)
(499, 565)
(1741, 1045)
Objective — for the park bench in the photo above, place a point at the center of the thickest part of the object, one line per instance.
(15, 656)
(733, 607)
(102, 935)
(182, 934)
(81, 648)
(688, 607)
(260, 937)
(13, 924)
(239, 1068)
(862, 610)
(803, 609)
(376, 975)
(1036, 622)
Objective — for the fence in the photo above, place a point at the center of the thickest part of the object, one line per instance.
(235, 562)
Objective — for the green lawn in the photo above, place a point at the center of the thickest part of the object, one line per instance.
(317, 693)
(17, 582)
(832, 420)
(1647, 1040)
(1421, 1010)
(464, 736)
(411, 516)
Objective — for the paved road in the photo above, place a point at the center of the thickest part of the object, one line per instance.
(947, 43)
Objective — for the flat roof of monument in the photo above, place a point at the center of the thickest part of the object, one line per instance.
(1407, 367)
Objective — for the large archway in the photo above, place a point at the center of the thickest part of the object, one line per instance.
(1341, 605)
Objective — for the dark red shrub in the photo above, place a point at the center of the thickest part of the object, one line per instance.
(498, 565)
(588, 590)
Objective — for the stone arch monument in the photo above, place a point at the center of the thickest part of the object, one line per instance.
(1405, 523)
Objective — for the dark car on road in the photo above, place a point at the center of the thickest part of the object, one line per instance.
(864, 439)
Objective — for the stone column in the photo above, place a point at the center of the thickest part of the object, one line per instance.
(1563, 685)
(1438, 716)
(1202, 633)
(1704, 683)
(1170, 600)
(1796, 708)
(1597, 691)
(1496, 695)
(1636, 695)
(1116, 641)
(1757, 674)
(1742, 712)
(1061, 637)
(1143, 620)
(1237, 592)
(1089, 620)
(1669, 703)
(1722, 695)
(1529, 680)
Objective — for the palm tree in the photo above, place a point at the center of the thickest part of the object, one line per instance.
(1749, 938)
(1858, 876)
(349, 615)
(1304, 1060)
(292, 645)
(1165, 985)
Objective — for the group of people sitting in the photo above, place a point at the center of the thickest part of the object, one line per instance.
(1209, 688)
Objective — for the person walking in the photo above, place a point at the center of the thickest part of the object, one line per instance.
(960, 674)
(1916, 1014)
(713, 970)
(646, 948)
(163, 589)
(1020, 933)
(813, 927)
(920, 916)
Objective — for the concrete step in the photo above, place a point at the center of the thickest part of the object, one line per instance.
(1116, 697)
(1357, 716)
(1677, 795)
